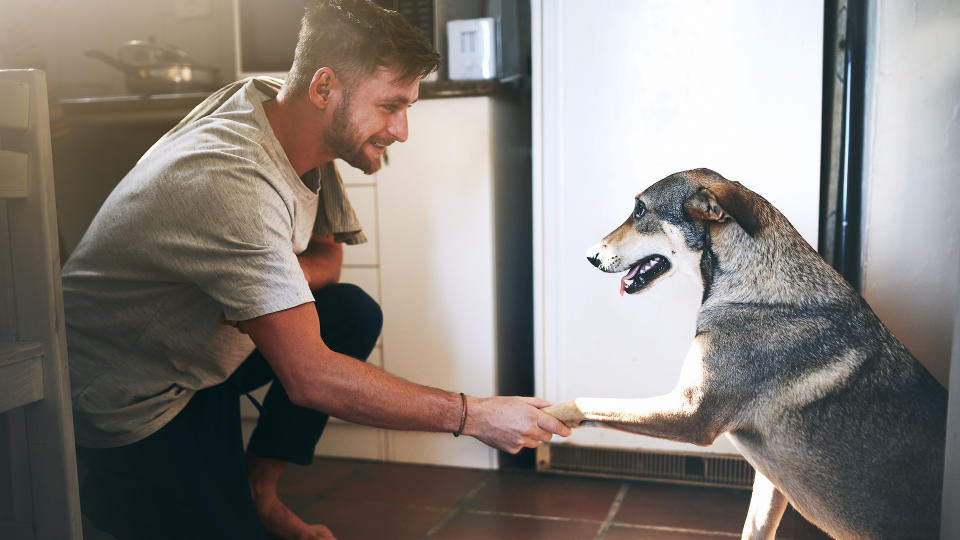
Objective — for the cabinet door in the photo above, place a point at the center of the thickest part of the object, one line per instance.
(364, 201)
(435, 204)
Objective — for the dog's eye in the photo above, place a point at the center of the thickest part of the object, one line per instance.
(639, 210)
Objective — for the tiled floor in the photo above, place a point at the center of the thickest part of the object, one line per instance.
(362, 500)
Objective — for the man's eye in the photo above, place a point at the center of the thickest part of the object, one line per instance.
(639, 210)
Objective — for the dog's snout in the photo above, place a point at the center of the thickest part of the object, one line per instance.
(593, 254)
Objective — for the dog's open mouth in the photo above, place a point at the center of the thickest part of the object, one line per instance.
(642, 273)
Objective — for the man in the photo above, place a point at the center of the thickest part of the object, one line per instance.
(211, 247)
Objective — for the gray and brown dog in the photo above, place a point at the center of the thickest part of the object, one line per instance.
(836, 416)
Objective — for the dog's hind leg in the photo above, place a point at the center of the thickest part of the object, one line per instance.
(767, 505)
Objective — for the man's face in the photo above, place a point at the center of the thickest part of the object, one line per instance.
(370, 117)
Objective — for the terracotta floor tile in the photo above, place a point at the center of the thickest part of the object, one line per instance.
(363, 500)
(472, 526)
(547, 495)
(423, 485)
(359, 520)
(312, 480)
(620, 532)
(686, 507)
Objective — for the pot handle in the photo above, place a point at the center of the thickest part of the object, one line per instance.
(119, 64)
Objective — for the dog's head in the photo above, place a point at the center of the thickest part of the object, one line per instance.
(668, 230)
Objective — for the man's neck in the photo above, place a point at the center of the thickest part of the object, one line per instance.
(296, 127)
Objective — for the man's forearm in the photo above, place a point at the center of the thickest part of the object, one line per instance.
(377, 398)
(318, 378)
(321, 262)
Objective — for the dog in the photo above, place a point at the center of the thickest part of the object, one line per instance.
(834, 414)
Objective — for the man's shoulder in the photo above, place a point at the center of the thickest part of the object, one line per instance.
(220, 140)
(212, 154)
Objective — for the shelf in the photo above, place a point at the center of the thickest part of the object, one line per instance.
(21, 374)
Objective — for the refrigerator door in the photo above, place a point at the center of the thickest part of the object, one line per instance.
(626, 93)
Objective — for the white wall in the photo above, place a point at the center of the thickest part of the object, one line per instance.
(911, 248)
(626, 93)
(911, 221)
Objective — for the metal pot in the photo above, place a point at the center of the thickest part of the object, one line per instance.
(157, 68)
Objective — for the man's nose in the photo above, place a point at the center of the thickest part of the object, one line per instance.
(398, 127)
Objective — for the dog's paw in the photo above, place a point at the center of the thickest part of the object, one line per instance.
(566, 412)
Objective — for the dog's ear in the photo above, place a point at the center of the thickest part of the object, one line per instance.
(721, 202)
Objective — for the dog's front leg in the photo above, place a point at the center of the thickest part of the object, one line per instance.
(767, 505)
(680, 415)
(674, 416)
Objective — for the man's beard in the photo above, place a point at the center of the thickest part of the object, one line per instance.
(343, 138)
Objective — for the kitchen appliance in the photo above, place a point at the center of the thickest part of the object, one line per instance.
(473, 46)
(158, 68)
(618, 103)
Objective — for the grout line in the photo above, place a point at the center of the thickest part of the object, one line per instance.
(459, 506)
(676, 529)
(614, 508)
(530, 516)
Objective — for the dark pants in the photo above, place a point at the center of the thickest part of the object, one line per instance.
(188, 480)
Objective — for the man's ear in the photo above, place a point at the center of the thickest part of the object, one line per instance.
(323, 87)
(722, 201)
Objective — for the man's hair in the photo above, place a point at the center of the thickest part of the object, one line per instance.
(355, 38)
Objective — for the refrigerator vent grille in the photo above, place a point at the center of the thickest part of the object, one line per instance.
(725, 471)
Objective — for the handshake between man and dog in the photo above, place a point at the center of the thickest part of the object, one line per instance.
(834, 414)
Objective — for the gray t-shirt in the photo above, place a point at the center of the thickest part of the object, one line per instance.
(206, 229)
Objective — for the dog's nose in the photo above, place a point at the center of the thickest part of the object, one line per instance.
(594, 259)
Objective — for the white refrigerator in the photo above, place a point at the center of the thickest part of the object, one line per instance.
(627, 92)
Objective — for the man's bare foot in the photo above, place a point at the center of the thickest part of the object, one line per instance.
(277, 519)
(280, 522)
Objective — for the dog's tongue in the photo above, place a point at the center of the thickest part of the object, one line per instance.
(623, 281)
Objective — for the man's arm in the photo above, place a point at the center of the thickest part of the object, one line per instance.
(321, 261)
(318, 378)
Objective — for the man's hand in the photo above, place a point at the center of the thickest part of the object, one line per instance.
(511, 423)
(321, 262)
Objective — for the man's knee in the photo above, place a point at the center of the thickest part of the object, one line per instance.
(350, 307)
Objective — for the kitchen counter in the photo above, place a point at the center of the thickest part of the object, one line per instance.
(170, 108)
(152, 109)
(450, 89)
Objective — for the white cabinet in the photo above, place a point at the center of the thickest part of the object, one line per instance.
(437, 266)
